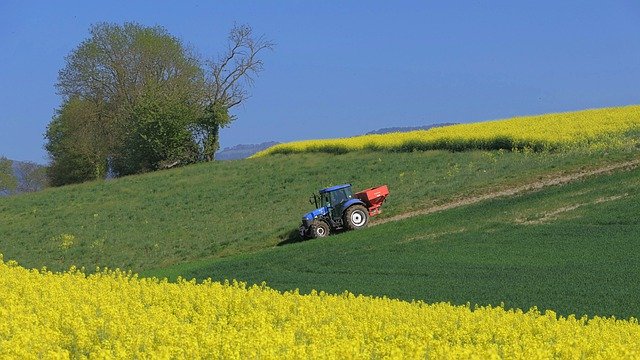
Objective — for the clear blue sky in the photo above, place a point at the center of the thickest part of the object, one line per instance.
(345, 68)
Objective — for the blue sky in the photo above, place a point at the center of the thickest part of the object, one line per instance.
(344, 68)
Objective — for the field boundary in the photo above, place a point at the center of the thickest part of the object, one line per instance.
(516, 190)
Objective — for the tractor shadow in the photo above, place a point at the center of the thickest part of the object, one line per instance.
(290, 237)
(293, 237)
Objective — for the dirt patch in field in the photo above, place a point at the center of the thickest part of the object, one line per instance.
(552, 215)
(517, 190)
(433, 238)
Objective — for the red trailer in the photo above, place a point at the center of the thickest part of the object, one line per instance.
(373, 198)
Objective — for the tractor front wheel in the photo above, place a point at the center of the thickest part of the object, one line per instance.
(319, 229)
(356, 217)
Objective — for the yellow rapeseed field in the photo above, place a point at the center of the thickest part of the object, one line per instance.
(594, 128)
(113, 314)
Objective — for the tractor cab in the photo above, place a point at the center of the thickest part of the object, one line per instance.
(333, 197)
(330, 202)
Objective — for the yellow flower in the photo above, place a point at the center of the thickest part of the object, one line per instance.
(66, 241)
(113, 314)
(595, 129)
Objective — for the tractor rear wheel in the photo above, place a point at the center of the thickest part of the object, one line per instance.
(319, 229)
(356, 217)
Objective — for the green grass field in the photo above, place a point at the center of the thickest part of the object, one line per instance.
(573, 249)
(228, 208)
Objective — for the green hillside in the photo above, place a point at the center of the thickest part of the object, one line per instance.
(572, 248)
(226, 208)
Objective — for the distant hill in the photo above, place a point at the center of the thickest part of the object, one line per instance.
(407, 128)
(243, 151)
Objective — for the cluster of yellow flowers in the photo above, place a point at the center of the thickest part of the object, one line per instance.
(112, 314)
(544, 132)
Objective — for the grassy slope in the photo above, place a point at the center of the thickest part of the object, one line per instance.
(572, 248)
(222, 209)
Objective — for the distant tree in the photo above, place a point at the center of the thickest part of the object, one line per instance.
(8, 181)
(206, 131)
(163, 136)
(136, 99)
(130, 94)
(31, 177)
(78, 143)
(228, 80)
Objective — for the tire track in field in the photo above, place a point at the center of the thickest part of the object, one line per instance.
(516, 190)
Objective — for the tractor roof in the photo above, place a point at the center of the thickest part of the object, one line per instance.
(334, 188)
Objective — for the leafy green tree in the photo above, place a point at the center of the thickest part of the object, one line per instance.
(130, 94)
(8, 182)
(136, 99)
(77, 143)
(162, 136)
(206, 130)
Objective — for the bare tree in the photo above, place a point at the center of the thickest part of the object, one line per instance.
(8, 181)
(228, 80)
(235, 71)
(31, 177)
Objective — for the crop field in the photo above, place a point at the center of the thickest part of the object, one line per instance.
(607, 127)
(115, 315)
(572, 248)
(229, 208)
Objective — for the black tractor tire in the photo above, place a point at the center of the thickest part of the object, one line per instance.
(302, 231)
(356, 217)
(318, 229)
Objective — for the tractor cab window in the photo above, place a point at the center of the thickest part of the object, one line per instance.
(326, 199)
(340, 196)
(335, 197)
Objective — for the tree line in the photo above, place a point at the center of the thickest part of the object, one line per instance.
(137, 99)
(20, 177)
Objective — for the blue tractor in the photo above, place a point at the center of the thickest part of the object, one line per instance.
(337, 208)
